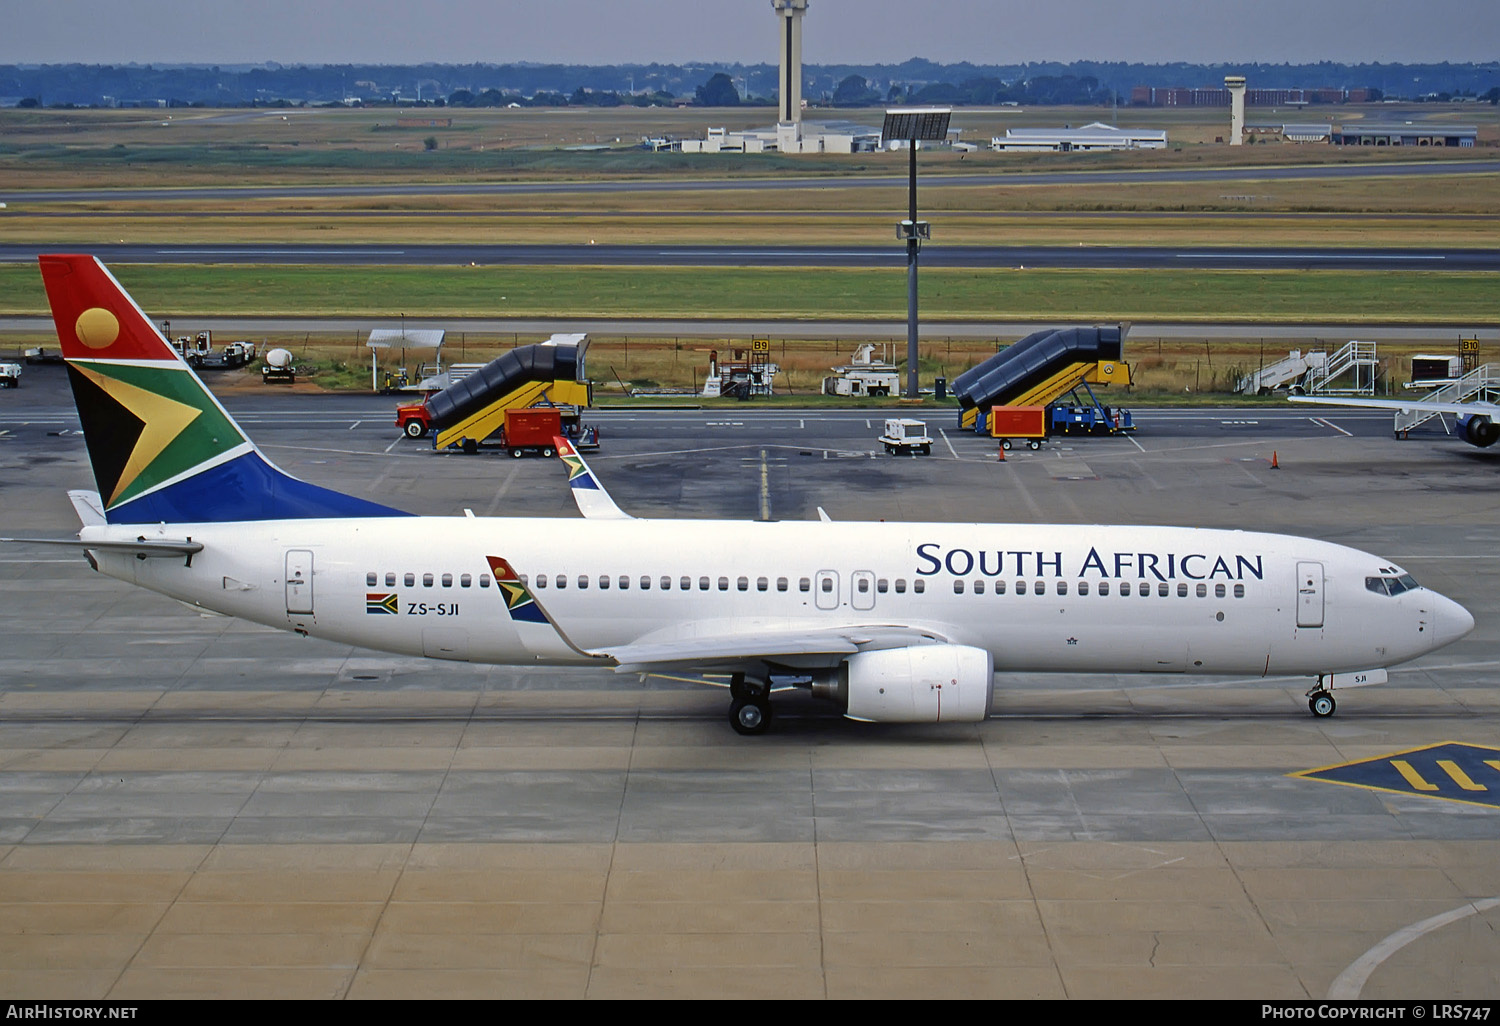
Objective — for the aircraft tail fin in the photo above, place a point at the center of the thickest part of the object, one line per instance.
(163, 449)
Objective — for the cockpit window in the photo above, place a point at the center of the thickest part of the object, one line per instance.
(1391, 585)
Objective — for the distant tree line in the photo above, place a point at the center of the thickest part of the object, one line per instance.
(716, 85)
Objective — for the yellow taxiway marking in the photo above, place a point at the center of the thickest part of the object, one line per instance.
(1412, 776)
(1459, 776)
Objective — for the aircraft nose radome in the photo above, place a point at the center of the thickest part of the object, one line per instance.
(1450, 622)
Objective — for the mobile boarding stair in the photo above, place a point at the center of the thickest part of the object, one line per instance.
(1317, 372)
(1039, 370)
(473, 408)
(1482, 383)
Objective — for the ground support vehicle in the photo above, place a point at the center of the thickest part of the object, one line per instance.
(1013, 424)
(10, 375)
(904, 437)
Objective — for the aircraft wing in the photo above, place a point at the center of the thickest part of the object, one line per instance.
(1457, 409)
(777, 647)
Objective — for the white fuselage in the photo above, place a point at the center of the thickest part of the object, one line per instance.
(1036, 597)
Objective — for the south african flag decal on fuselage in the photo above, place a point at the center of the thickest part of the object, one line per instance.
(518, 600)
(381, 603)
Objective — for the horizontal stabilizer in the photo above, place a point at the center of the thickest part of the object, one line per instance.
(88, 506)
(145, 548)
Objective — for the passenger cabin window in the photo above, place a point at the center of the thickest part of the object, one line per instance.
(1124, 588)
(862, 585)
(761, 584)
(1239, 591)
(1182, 591)
(781, 584)
(882, 585)
(1020, 587)
(979, 587)
(447, 580)
(1104, 587)
(958, 587)
(703, 584)
(686, 583)
(646, 583)
(583, 582)
(1202, 591)
(999, 587)
(624, 583)
(1062, 587)
(827, 585)
(484, 580)
(426, 580)
(370, 580)
(1083, 587)
(541, 580)
(603, 582)
(467, 580)
(918, 586)
(561, 581)
(1163, 589)
(410, 580)
(723, 584)
(1041, 587)
(1218, 591)
(390, 580)
(804, 584)
(742, 584)
(901, 586)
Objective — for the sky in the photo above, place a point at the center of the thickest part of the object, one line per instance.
(745, 31)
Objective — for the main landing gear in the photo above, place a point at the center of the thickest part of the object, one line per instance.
(1320, 701)
(750, 705)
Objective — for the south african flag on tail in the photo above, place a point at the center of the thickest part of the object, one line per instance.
(162, 448)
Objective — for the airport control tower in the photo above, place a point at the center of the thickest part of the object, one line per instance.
(1236, 86)
(790, 13)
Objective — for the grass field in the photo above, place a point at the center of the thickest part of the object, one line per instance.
(1354, 297)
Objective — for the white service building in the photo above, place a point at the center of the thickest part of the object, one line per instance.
(1094, 137)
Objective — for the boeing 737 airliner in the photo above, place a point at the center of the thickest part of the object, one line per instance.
(895, 622)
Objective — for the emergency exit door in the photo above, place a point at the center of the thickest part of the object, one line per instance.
(1309, 594)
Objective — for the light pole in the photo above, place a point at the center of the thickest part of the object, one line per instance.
(913, 125)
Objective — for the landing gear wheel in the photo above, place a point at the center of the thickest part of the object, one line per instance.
(750, 717)
(1322, 705)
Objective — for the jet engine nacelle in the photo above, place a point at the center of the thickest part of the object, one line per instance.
(919, 684)
(1477, 429)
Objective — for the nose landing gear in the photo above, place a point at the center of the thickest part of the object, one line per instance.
(1320, 701)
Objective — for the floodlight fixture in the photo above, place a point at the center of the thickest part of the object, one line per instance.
(916, 124)
(913, 125)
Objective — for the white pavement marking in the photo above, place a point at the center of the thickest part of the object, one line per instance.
(1133, 442)
(1349, 983)
(356, 424)
(393, 445)
(1330, 424)
(950, 444)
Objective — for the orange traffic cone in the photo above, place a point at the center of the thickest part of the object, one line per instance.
(1274, 464)
(1002, 454)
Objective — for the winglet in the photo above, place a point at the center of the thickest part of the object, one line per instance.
(522, 605)
(593, 501)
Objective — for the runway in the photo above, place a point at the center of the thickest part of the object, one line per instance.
(190, 806)
(776, 183)
(1104, 257)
